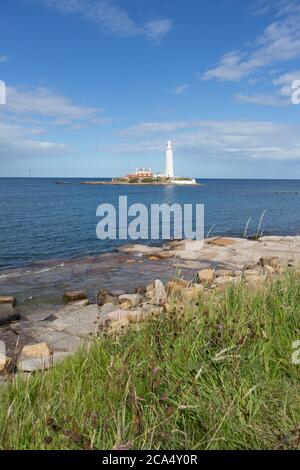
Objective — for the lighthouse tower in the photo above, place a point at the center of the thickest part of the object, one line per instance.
(169, 161)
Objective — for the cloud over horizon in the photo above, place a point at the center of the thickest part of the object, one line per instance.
(226, 139)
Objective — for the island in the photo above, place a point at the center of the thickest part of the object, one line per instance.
(146, 176)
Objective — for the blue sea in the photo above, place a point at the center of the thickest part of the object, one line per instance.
(41, 220)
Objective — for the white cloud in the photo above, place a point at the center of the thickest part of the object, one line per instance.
(3, 58)
(280, 42)
(217, 139)
(111, 17)
(44, 102)
(31, 112)
(18, 141)
(261, 99)
(180, 89)
(147, 128)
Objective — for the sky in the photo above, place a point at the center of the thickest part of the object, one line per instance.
(95, 88)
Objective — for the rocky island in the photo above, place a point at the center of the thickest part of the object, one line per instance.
(146, 176)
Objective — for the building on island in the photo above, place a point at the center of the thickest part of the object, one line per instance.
(146, 175)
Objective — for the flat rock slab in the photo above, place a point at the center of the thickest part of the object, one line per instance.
(81, 322)
(43, 332)
(40, 364)
(71, 308)
(220, 241)
(145, 249)
(61, 341)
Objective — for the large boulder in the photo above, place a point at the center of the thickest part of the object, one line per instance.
(206, 276)
(225, 280)
(157, 295)
(34, 357)
(131, 300)
(4, 363)
(175, 286)
(191, 294)
(104, 296)
(7, 314)
(8, 299)
(73, 296)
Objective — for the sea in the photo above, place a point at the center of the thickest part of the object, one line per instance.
(41, 220)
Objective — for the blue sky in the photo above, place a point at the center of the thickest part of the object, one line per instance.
(96, 87)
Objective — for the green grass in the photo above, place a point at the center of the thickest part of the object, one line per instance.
(217, 375)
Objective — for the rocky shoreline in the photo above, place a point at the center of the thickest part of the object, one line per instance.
(159, 274)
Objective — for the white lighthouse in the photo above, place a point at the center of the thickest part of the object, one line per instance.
(169, 161)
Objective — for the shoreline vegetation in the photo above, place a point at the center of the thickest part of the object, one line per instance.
(212, 370)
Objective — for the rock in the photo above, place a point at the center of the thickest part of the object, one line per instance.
(36, 364)
(132, 299)
(265, 261)
(35, 351)
(138, 249)
(4, 363)
(175, 286)
(221, 241)
(277, 265)
(104, 296)
(223, 280)
(141, 290)
(206, 275)
(172, 288)
(150, 309)
(119, 319)
(249, 267)
(153, 258)
(157, 295)
(227, 272)
(81, 323)
(269, 269)
(176, 244)
(7, 314)
(176, 283)
(165, 254)
(189, 255)
(190, 294)
(126, 305)
(42, 315)
(120, 314)
(70, 308)
(13, 341)
(150, 287)
(254, 278)
(73, 296)
(62, 341)
(34, 357)
(8, 299)
(252, 272)
(106, 309)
